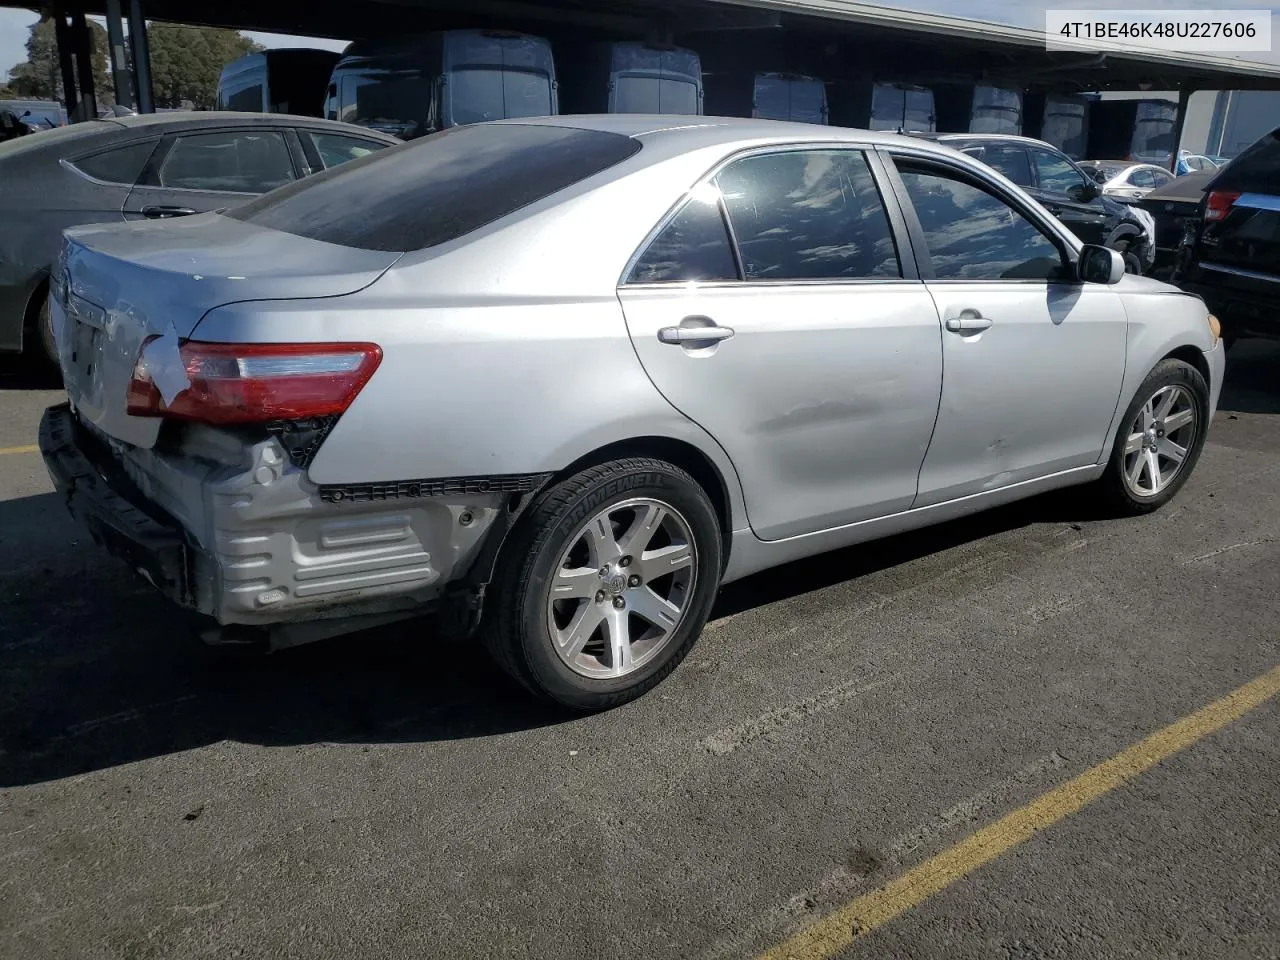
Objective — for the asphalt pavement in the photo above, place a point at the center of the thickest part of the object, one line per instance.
(843, 722)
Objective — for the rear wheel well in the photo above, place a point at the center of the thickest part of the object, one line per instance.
(1193, 357)
(678, 453)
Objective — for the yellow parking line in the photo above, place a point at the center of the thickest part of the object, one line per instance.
(837, 931)
(29, 448)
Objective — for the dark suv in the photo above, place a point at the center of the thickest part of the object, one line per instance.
(1231, 255)
(1065, 190)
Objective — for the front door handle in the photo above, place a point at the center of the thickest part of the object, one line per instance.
(968, 323)
(694, 334)
(163, 213)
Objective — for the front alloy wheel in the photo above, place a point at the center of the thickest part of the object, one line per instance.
(1160, 437)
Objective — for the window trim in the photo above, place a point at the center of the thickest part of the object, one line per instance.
(1053, 229)
(889, 200)
(150, 178)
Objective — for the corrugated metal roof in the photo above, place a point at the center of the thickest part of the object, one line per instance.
(961, 28)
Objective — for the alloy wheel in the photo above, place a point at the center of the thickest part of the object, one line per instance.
(622, 588)
(1159, 440)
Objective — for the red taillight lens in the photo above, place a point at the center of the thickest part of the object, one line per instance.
(258, 382)
(1218, 204)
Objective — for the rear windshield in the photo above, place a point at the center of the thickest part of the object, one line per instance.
(436, 189)
(1256, 170)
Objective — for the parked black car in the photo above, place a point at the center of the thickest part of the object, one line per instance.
(135, 167)
(1173, 207)
(1065, 190)
(1231, 257)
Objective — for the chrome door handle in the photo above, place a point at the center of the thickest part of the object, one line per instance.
(970, 324)
(712, 334)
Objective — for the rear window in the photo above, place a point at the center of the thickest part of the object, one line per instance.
(439, 188)
(1256, 170)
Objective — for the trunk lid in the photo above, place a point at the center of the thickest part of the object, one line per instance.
(116, 286)
(1247, 238)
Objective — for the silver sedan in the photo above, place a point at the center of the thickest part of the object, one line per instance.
(561, 379)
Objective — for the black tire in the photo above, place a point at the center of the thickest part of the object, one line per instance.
(45, 348)
(514, 628)
(1132, 264)
(1112, 485)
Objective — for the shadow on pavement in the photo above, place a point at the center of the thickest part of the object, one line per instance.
(22, 373)
(1253, 378)
(97, 670)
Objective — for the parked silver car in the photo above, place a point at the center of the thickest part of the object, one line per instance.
(563, 378)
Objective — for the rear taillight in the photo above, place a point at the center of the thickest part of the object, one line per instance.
(258, 382)
(1218, 203)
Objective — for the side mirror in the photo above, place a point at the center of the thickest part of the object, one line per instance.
(1084, 192)
(1100, 265)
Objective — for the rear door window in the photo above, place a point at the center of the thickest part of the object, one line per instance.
(336, 149)
(1055, 172)
(693, 246)
(233, 161)
(477, 94)
(655, 95)
(808, 215)
(438, 188)
(1010, 159)
(119, 165)
(1142, 179)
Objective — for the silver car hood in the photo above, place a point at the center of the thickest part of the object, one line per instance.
(117, 285)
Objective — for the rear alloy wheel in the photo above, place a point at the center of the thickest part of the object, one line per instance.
(1160, 438)
(606, 584)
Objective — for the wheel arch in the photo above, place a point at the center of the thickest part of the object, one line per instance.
(679, 453)
(1125, 232)
(1194, 357)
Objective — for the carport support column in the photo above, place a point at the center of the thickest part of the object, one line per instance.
(1179, 122)
(121, 75)
(66, 63)
(82, 43)
(141, 57)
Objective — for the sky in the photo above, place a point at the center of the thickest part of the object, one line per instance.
(1023, 13)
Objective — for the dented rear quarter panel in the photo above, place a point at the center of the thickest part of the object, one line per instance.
(504, 353)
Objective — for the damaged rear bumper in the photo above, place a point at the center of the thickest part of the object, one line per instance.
(112, 511)
(236, 531)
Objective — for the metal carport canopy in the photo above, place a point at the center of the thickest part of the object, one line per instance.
(862, 38)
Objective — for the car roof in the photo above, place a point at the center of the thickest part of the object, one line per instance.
(709, 131)
(991, 137)
(179, 119)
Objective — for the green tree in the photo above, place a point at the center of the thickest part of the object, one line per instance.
(187, 61)
(40, 77)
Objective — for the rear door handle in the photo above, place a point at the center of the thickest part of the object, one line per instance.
(968, 324)
(162, 213)
(691, 334)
